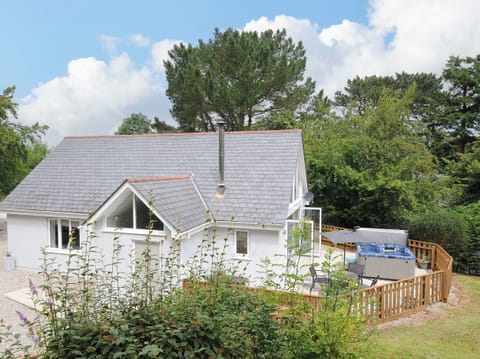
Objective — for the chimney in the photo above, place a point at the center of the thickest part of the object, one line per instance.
(221, 157)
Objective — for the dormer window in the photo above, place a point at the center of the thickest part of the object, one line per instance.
(133, 213)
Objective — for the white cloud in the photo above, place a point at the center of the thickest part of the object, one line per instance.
(139, 40)
(109, 43)
(409, 35)
(160, 53)
(425, 33)
(93, 98)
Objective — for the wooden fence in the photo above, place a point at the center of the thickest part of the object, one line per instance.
(440, 261)
(404, 297)
(325, 240)
(395, 300)
(407, 296)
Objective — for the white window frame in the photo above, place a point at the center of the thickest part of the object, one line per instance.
(242, 255)
(297, 222)
(133, 229)
(315, 240)
(59, 246)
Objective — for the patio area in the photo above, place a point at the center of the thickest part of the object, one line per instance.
(413, 292)
(338, 255)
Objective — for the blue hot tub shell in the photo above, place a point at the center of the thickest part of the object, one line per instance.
(389, 261)
(386, 250)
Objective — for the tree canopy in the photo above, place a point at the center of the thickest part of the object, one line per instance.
(465, 175)
(360, 94)
(460, 108)
(20, 146)
(239, 77)
(136, 123)
(161, 126)
(369, 169)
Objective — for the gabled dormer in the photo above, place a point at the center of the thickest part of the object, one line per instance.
(171, 203)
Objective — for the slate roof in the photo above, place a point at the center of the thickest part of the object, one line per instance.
(82, 172)
(176, 198)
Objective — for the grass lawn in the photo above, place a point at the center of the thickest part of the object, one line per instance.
(455, 335)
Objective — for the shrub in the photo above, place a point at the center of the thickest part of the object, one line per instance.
(444, 226)
(214, 320)
(469, 258)
(91, 310)
(335, 330)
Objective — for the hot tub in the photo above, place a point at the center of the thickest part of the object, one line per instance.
(389, 261)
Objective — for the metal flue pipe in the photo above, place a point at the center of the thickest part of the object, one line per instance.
(221, 156)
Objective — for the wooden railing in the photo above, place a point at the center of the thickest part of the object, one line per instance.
(423, 250)
(440, 260)
(407, 296)
(395, 300)
(330, 228)
(325, 240)
(402, 298)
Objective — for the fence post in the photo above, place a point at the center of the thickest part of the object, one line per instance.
(427, 288)
(381, 306)
(445, 288)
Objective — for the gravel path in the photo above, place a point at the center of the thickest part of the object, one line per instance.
(9, 281)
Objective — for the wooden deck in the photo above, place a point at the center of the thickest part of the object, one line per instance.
(404, 297)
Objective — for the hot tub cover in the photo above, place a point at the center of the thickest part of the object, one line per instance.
(368, 235)
(382, 235)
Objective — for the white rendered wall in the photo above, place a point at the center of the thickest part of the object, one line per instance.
(131, 243)
(26, 236)
(262, 243)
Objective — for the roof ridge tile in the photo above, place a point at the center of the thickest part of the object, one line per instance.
(155, 179)
(185, 134)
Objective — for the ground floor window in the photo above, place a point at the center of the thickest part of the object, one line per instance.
(64, 233)
(241, 242)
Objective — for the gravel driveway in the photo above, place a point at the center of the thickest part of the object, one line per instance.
(10, 281)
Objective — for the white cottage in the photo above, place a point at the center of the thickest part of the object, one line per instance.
(249, 185)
